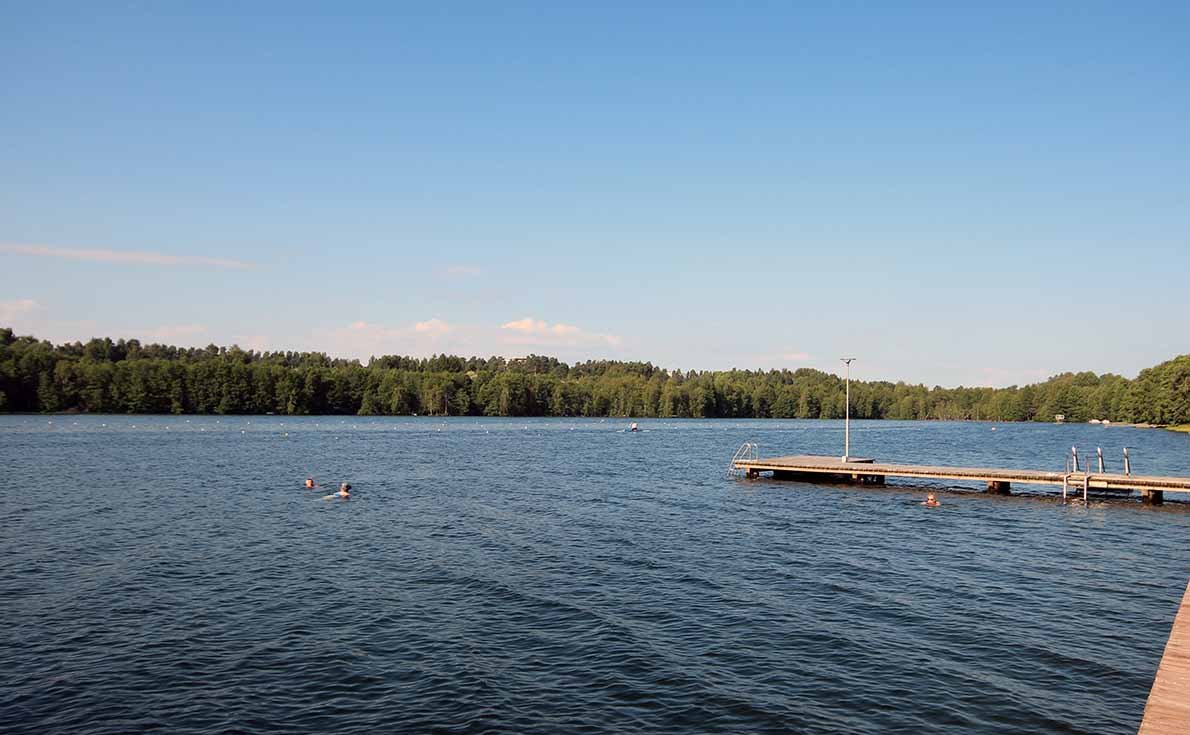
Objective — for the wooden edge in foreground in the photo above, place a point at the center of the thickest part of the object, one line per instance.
(1168, 708)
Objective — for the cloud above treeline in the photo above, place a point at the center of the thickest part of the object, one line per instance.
(30, 317)
(530, 331)
(173, 333)
(436, 335)
(135, 257)
(432, 326)
(12, 311)
(359, 339)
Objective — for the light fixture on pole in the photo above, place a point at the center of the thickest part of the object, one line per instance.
(847, 411)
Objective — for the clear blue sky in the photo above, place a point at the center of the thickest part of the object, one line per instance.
(953, 195)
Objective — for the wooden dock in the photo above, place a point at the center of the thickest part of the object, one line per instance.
(868, 472)
(1168, 709)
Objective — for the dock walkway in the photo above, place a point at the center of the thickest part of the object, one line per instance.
(866, 471)
(1168, 709)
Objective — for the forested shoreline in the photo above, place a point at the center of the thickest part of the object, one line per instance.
(125, 376)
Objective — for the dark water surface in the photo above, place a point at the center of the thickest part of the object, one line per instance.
(555, 576)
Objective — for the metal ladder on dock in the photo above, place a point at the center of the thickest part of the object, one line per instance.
(1075, 477)
(748, 452)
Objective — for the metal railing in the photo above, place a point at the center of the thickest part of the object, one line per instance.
(1073, 463)
(1073, 469)
(748, 452)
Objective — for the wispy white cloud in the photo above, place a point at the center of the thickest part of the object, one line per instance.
(172, 332)
(13, 310)
(432, 326)
(436, 335)
(31, 317)
(529, 325)
(363, 338)
(138, 257)
(530, 331)
(459, 271)
(258, 342)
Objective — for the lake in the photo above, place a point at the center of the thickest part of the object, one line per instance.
(563, 575)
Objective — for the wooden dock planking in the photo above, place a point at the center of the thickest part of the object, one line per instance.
(999, 480)
(1168, 710)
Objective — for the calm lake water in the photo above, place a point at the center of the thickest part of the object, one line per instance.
(556, 576)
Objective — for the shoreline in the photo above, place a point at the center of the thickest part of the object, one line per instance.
(1179, 428)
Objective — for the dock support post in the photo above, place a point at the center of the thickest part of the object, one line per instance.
(1127, 462)
(1099, 455)
(1152, 497)
(753, 473)
(1065, 486)
(1000, 487)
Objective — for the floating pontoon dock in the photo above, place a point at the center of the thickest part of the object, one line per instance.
(869, 472)
(1168, 709)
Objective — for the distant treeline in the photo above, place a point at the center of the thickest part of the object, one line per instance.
(128, 377)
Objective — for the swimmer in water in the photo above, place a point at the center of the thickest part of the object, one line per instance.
(310, 483)
(931, 501)
(344, 492)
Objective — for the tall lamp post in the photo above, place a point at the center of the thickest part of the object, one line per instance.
(847, 411)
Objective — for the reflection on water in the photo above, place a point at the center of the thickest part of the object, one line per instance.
(565, 575)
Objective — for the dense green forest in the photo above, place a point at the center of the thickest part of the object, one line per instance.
(128, 377)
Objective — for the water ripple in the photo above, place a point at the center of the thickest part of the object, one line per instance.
(566, 577)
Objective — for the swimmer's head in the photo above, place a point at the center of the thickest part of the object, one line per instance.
(344, 488)
(309, 482)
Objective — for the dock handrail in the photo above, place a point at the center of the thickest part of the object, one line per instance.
(748, 452)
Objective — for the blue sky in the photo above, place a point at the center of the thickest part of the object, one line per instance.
(955, 196)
